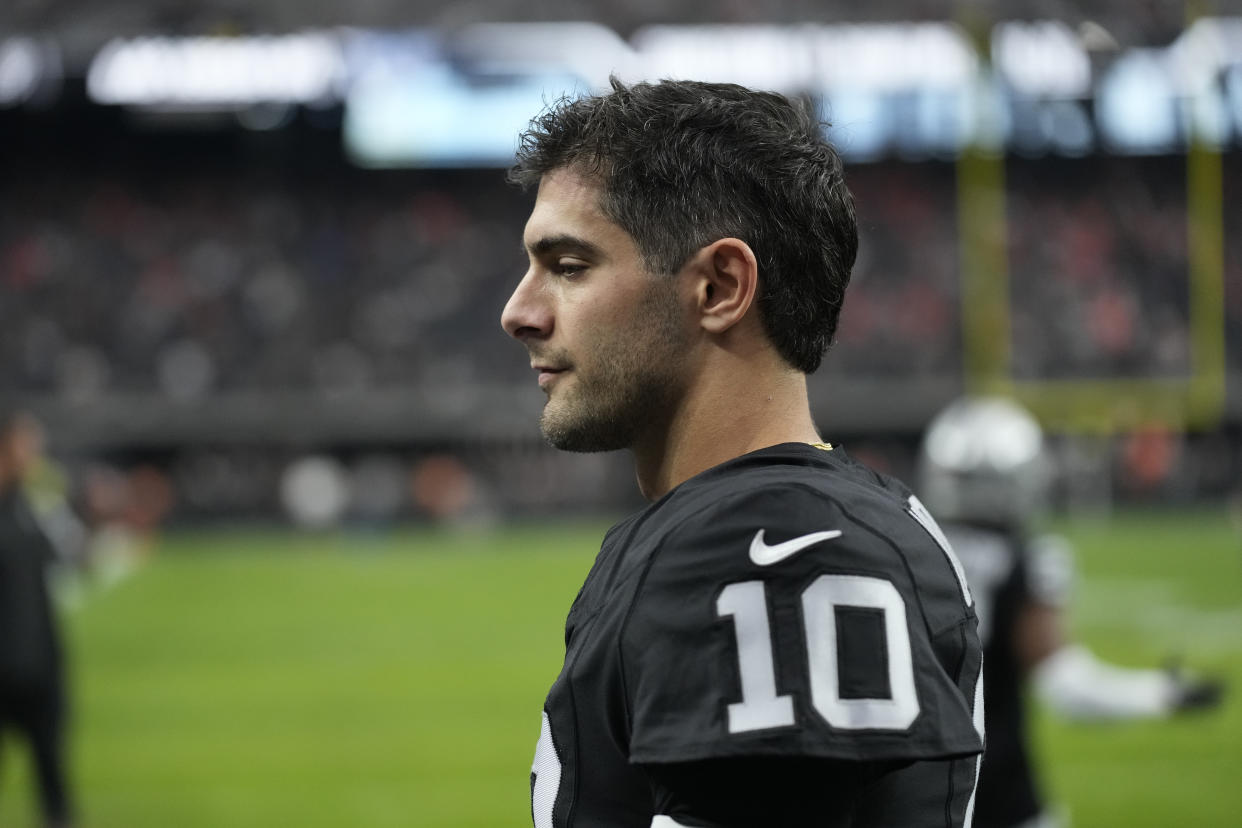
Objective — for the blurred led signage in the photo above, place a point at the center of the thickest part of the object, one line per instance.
(1042, 59)
(878, 58)
(30, 70)
(418, 100)
(218, 72)
(905, 90)
(438, 118)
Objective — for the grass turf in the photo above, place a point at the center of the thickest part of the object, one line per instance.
(247, 678)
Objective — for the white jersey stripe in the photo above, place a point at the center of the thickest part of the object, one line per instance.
(919, 512)
(977, 716)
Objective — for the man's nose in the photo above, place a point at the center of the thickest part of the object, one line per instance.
(527, 314)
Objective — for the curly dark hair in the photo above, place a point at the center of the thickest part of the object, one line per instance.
(684, 163)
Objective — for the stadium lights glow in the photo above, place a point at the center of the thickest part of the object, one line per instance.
(1203, 52)
(912, 89)
(895, 57)
(874, 57)
(857, 57)
(1045, 59)
(224, 72)
(1136, 104)
(27, 66)
(1203, 64)
(763, 57)
(586, 50)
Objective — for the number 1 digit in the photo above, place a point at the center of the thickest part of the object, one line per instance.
(760, 707)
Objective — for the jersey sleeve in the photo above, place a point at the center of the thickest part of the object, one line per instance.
(785, 622)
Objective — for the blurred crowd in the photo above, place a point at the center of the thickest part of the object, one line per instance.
(1099, 270)
(215, 281)
(189, 281)
(210, 282)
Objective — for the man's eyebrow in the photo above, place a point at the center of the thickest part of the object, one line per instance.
(560, 244)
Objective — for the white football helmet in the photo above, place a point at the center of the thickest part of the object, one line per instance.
(982, 460)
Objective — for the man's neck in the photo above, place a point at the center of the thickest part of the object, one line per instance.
(737, 413)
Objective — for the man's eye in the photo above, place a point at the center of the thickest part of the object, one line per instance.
(569, 269)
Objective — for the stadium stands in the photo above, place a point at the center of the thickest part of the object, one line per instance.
(225, 290)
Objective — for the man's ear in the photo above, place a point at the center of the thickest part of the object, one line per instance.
(727, 283)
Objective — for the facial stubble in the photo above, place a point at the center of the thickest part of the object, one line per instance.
(627, 385)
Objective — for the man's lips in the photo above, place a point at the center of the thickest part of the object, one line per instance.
(548, 373)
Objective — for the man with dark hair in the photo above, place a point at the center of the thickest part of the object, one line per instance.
(782, 637)
(31, 685)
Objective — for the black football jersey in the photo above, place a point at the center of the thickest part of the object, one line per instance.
(784, 624)
(1006, 572)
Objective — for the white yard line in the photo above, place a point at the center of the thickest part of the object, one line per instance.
(1156, 610)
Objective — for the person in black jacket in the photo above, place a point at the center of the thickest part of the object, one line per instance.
(32, 697)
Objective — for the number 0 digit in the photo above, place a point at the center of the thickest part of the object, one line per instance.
(819, 608)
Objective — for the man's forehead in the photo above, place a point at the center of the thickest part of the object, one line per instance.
(570, 180)
(567, 202)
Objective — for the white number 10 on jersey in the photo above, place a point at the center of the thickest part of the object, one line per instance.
(761, 707)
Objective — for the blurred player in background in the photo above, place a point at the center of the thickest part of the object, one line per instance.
(780, 638)
(985, 475)
(32, 695)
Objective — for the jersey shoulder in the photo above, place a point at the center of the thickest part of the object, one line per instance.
(797, 609)
(782, 520)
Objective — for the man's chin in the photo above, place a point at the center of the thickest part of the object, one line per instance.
(582, 437)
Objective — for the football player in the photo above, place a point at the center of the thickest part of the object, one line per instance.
(984, 474)
(781, 638)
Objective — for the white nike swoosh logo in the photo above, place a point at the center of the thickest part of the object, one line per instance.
(764, 555)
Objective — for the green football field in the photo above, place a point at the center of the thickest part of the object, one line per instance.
(259, 678)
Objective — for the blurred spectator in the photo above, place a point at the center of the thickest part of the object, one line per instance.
(314, 492)
(447, 492)
(32, 695)
(123, 510)
(1149, 457)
